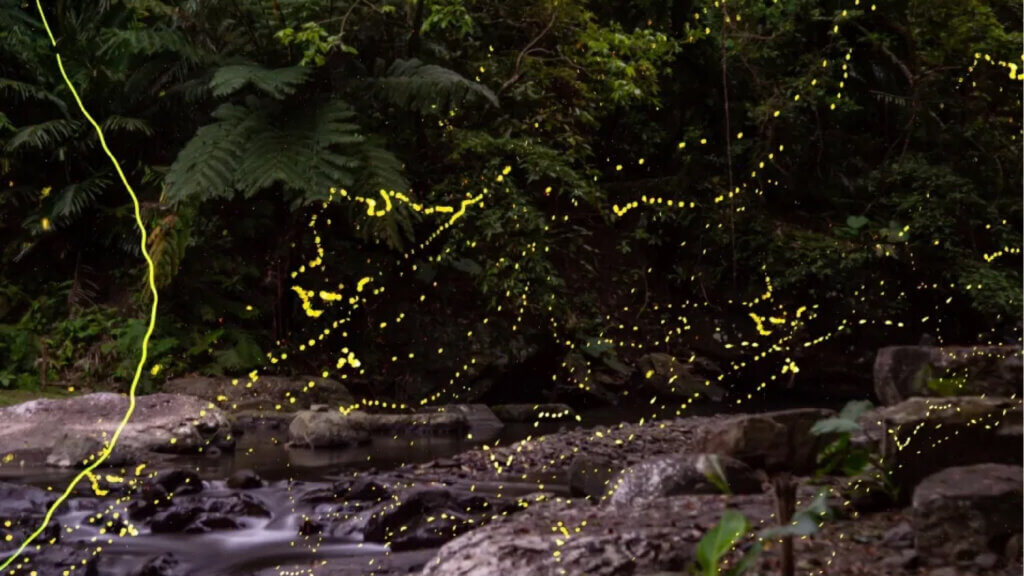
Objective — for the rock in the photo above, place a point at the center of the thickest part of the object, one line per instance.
(161, 423)
(926, 435)
(207, 514)
(24, 507)
(480, 420)
(265, 393)
(328, 429)
(651, 537)
(771, 441)
(422, 424)
(960, 513)
(667, 376)
(179, 482)
(533, 412)
(78, 450)
(682, 474)
(426, 517)
(590, 477)
(163, 565)
(986, 561)
(244, 480)
(902, 372)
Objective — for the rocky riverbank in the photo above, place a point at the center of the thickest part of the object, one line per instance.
(944, 497)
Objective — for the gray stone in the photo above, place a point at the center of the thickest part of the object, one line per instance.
(328, 429)
(682, 474)
(771, 441)
(79, 450)
(924, 435)
(962, 512)
(244, 479)
(533, 412)
(422, 424)
(265, 393)
(667, 376)
(170, 423)
(902, 372)
(651, 537)
(590, 477)
(479, 418)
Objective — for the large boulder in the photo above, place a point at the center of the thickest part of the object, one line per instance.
(427, 517)
(422, 424)
(921, 436)
(328, 429)
(479, 418)
(170, 423)
(962, 513)
(265, 393)
(903, 372)
(553, 539)
(683, 474)
(591, 477)
(667, 376)
(533, 412)
(771, 441)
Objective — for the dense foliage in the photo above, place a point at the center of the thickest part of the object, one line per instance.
(861, 161)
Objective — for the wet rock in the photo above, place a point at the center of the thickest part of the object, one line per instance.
(960, 513)
(59, 559)
(328, 429)
(533, 412)
(590, 477)
(207, 514)
(926, 435)
(771, 441)
(265, 393)
(683, 474)
(310, 527)
(24, 507)
(425, 517)
(902, 372)
(179, 482)
(667, 376)
(162, 565)
(162, 422)
(244, 480)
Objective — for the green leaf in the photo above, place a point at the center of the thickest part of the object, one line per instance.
(856, 222)
(413, 85)
(718, 541)
(834, 426)
(275, 82)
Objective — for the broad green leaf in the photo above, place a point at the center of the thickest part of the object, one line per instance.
(717, 542)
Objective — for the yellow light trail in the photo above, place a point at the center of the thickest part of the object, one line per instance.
(151, 274)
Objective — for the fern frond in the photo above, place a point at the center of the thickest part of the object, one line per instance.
(275, 82)
(26, 91)
(413, 85)
(207, 165)
(73, 199)
(115, 123)
(149, 41)
(43, 134)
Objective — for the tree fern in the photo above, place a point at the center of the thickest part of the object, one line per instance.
(149, 41)
(75, 198)
(275, 82)
(115, 123)
(42, 135)
(413, 85)
(26, 91)
(306, 149)
(379, 170)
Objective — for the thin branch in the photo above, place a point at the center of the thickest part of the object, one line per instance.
(516, 73)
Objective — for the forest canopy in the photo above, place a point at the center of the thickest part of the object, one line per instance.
(655, 175)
